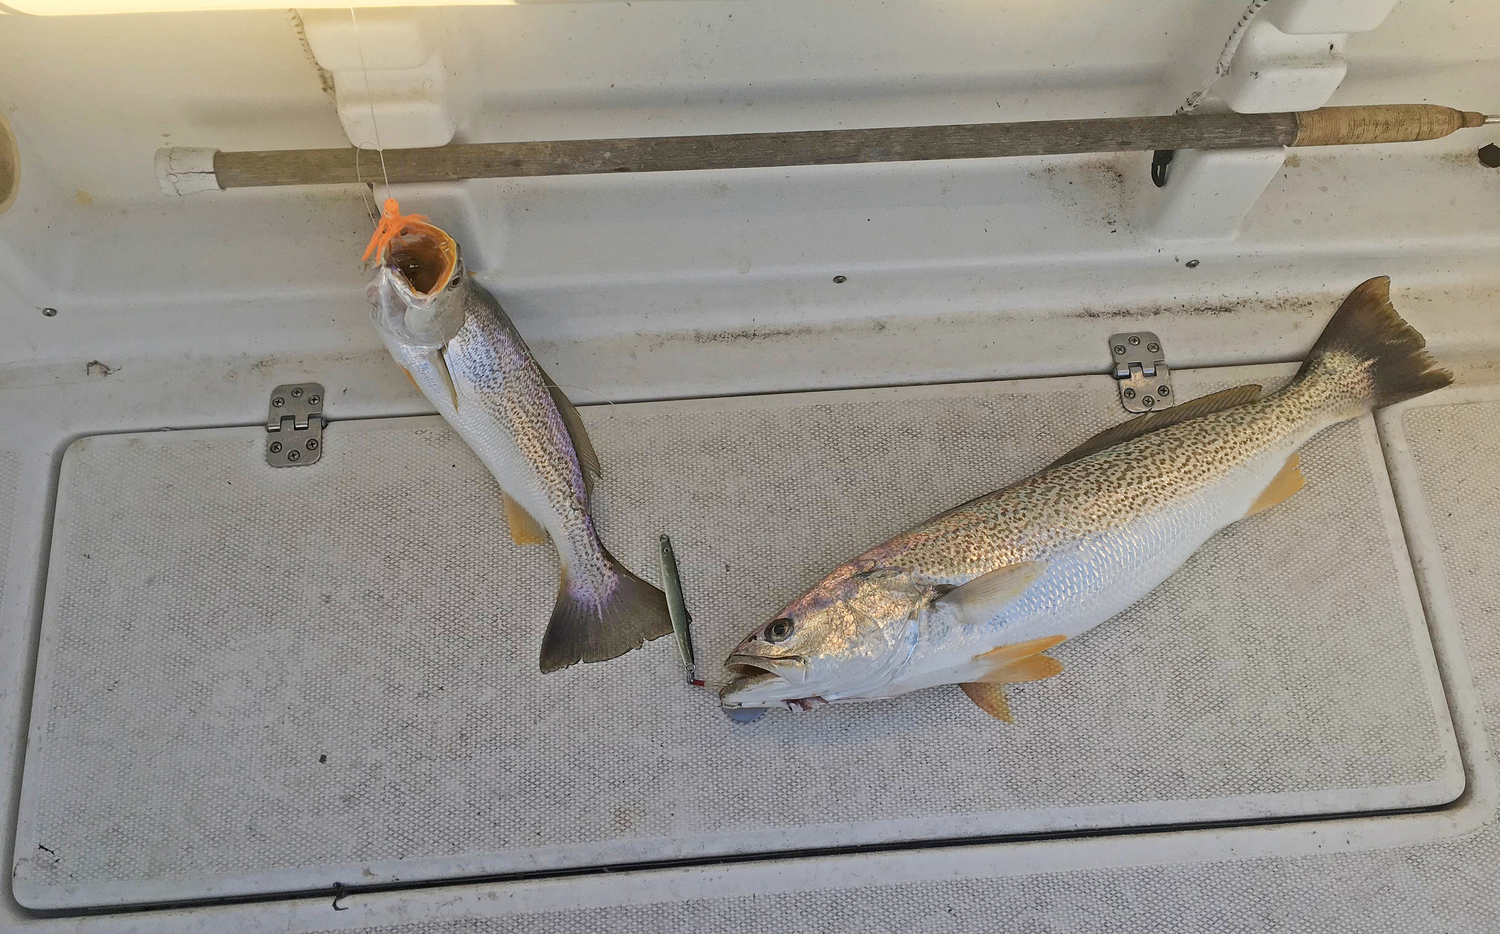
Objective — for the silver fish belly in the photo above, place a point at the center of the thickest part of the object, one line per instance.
(975, 595)
(466, 357)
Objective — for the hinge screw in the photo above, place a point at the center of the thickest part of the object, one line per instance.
(294, 455)
(1135, 340)
(1153, 347)
(275, 447)
(314, 399)
(1164, 390)
(1128, 393)
(312, 444)
(1147, 402)
(278, 402)
(1119, 349)
(297, 393)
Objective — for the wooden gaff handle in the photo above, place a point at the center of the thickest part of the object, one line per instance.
(1331, 126)
(1382, 123)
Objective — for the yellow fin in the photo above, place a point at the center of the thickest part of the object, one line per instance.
(411, 379)
(990, 698)
(524, 530)
(1009, 654)
(1286, 482)
(1031, 668)
(982, 599)
(1155, 421)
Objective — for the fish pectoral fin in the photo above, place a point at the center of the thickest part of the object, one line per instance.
(981, 599)
(440, 363)
(524, 530)
(1030, 668)
(1162, 418)
(990, 698)
(1287, 481)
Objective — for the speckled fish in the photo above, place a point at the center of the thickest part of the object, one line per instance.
(463, 353)
(976, 595)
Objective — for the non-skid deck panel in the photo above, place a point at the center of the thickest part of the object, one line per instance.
(1456, 452)
(1441, 887)
(257, 680)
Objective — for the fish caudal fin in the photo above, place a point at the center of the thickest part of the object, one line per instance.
(583, 629)
(1367, 333)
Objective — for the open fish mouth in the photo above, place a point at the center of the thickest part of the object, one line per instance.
(760, 682)
(746, 675)
(425, 256)
(790, 668)
(742, 665)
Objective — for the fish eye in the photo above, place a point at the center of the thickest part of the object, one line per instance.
(779, 630)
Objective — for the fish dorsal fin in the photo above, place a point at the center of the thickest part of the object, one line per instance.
(1007, 655)
(990, 698)
(1155, 421)
(1030, 668)
(524, 530)
(1287, 481)
(582, 446)
(981, 599)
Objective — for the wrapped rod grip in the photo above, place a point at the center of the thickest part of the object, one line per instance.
(1381, 123)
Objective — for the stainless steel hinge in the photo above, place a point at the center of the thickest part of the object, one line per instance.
(294, 428)
(1141, 370)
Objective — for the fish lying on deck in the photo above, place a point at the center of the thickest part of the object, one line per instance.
(465, 356)
(974, 596)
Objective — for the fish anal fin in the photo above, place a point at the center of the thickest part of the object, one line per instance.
(981, 599)
(1031, 668)
(1009, 654)
(1288, 480)
(990, 698)
(1155, 421)
(524, 530)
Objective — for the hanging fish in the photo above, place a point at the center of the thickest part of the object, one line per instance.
(976, 595)
(465, 356)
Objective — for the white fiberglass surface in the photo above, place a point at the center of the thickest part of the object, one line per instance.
(181, 312)
(341, 659)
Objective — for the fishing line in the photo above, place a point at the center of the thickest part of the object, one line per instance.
(1221, 67)
(369, 202)
(370, 100)
(1162, 158)
(592, 392)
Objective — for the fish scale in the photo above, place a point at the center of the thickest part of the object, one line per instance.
(464, 354)
(976, 592)
(489, 361)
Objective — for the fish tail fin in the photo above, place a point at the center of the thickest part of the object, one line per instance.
(1367, 336)
(587, 627)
